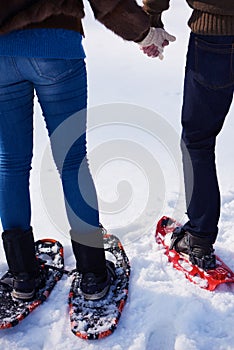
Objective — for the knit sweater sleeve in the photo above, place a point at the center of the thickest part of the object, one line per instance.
(124, 17)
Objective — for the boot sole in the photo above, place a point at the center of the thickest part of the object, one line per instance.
(96, 296)
(23, 295)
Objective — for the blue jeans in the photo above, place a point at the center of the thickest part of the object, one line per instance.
(61, 88)
(208, 93)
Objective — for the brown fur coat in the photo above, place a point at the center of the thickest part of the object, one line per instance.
(124, 17)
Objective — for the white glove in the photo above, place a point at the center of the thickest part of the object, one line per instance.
(157, 37)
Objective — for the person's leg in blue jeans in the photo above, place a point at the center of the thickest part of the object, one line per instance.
(16, 143)
(63, 99)
(208, 93)
(61, 88)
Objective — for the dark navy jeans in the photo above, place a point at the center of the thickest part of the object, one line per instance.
(208, 93)
(61, 88)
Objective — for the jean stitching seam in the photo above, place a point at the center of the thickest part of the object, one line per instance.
(16, 68)
(60, 75)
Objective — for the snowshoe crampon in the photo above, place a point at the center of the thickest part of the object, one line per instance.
(50, 254)
(98, 319)
(205, 279)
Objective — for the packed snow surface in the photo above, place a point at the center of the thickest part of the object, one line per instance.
(136, 168)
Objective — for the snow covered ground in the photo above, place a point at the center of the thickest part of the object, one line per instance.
(136, 166)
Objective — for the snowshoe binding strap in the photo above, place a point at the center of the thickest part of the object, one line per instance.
(177, 235)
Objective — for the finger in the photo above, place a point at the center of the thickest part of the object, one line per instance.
(160, 56)
(149, 47)
(165, 43)
(152, 51)
(169, 37)
(153, 54)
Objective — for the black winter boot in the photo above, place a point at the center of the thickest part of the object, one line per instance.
(199, 249)
(95, 287)
(91, 263)
(20, 254)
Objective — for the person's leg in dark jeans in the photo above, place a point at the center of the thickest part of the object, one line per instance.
(208, 93)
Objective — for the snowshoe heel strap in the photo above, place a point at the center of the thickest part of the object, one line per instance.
(206, 262)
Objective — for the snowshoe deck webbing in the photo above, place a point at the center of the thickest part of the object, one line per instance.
(205, 279)
(98, 319)
(12, 311)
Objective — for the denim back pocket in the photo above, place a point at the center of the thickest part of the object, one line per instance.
(51, 68)
(214, 64)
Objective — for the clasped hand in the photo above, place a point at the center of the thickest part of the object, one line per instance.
(155, 41)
